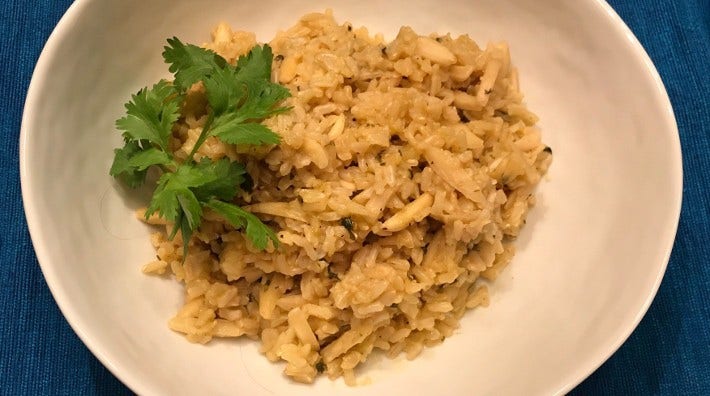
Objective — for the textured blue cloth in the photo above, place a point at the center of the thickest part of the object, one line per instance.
(668, 354)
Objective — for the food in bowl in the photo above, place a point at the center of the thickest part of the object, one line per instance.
(395, 182)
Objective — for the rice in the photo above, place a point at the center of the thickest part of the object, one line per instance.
(405, 172)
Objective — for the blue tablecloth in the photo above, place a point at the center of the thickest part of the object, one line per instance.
(669, 353)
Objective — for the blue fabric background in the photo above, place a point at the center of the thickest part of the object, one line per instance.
(668, 354)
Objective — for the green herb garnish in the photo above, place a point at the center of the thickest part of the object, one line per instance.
(239, 98)
(347, 222)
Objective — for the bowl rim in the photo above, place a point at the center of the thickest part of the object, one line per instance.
(125, 375)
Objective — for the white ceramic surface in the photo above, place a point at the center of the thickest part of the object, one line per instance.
(590, 259)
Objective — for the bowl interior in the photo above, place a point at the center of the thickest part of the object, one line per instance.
(588, 263)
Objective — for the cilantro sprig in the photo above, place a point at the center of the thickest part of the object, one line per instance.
(239, 98)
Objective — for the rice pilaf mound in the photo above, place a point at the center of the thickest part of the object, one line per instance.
(404, 174)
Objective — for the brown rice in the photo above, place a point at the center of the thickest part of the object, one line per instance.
(404, 174)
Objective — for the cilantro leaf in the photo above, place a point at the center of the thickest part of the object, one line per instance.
(190, 63)
(182, 225)
(144, 159)
(186, 232)
(190, 207)
(180, 195)
(151, 114)
(224, 90)
(258, 233)
(256, 65)
(220, 179)
(122, 167)
(131, 162)
(262, 97)
(175, 202)
(244, 133)
(239, 98)
(173, 193)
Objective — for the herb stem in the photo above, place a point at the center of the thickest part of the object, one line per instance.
(203, 136)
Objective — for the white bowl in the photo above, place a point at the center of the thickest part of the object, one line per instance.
(589, 262)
